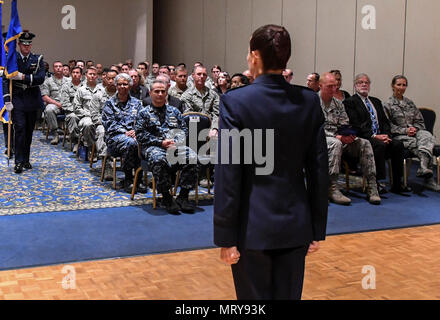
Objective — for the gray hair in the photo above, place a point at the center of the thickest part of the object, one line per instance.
(157, 81)
(361, 75)
(125, 77)
(167, 77)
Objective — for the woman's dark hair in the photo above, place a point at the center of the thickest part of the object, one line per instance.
(398, 77)
(243, 78)
(274, 44)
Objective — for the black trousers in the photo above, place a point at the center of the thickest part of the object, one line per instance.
(270, 274)
(24, 123)
(394, 151)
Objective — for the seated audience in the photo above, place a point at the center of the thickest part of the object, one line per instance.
(340, 94)
(68, 91)
(367, 115)
(313, 81)
(239, 80)
(223, 83)
(154, 132)
(408, 126)
(118, 118)
(88, 112)
(172, 101)
(138, 90)
(181, 80)
(50, 91)
(339, 142)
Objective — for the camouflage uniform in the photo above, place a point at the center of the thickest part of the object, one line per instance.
(404, 114)
(52, 88)
(206, 102)
(176, 92)
(87, 106)
(68, 91)
(335, 117)
(154, 125)
(117, 119)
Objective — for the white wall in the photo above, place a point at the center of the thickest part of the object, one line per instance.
(327, 34)
(107, 31)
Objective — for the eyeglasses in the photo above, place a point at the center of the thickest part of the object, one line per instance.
(123, 84)
(362, 82)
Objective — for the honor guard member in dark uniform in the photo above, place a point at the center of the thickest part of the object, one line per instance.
(26, 98)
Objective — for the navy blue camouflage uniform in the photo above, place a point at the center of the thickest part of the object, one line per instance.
(153, 126)
(118, 118)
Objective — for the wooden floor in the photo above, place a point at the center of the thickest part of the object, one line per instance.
(406, 264)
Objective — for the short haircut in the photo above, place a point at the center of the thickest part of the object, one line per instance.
(274, 44)
(181, 64)
(105, 70)
(181, 68)
(111, 71)
(195, 68)
(92, 68)
(168, 79)
(164, 67)
(157, 81)
(74, 68)
(125, 77)
(143, 64)
(317, 76)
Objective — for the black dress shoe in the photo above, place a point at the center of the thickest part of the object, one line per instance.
(27, 166)
(401, 190)
(18, 168)
(171, 205)
(185, 205)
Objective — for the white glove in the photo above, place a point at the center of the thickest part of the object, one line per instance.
(19, 76)
(9, 106)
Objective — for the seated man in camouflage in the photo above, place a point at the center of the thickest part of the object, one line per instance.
(338, 143)
(118, 118)
(68, 91)
(89, 112)
(161, 132)
(50, 91)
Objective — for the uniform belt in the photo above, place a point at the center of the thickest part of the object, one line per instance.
(23, 86)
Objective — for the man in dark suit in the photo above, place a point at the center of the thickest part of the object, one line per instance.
(26, 99)
(267, 222)
(172, 101)
(367, 115)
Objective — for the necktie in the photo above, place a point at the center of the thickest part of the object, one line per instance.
(375, 126)
(24, 60)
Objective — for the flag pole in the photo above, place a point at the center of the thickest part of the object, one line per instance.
(9, 124)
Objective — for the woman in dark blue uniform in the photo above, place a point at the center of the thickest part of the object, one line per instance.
(266, 223)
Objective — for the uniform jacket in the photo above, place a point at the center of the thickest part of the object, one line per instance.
(154, 125)
(26, 94)
(287, 208)
(119, 120)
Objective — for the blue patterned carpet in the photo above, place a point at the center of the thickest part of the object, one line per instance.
(59, 182)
